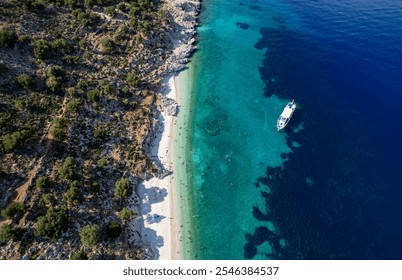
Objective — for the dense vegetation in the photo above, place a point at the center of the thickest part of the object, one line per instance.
(91, 235)
(52, 223)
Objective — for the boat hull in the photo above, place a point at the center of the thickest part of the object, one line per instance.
(285, 116)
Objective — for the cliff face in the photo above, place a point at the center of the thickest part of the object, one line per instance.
(81, 86)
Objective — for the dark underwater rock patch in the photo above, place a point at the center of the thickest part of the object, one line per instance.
(261, 235)
(259, 215)
(242, 25)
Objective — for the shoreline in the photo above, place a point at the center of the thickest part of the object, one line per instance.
(160, 221)
(158, 195)
(168, 237)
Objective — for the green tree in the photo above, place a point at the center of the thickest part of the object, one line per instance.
(89, 3)
(56, 71)
(69, 169)
(110, 11)
(122, 7)
(14, 140)
(72, 196)
(71, 59)
(60, 44)
(90, 235)
(75, 184)
(58, 130)
(25, 39)
(53, 83)
(12, 209)
(132, 78)
(6, 232)
(107, 45)
(73, 106)
(41, 49)
(126, 214)
(87, 18)
(8, 38)
(48, 199)
(43, 182)
(20, 104)
(100, 133)
(52, 224)
(113, 229)
(93, 95)
(80, 255)
(25, 81)
(102, 163)
(122, 188)
(55, 78)
(107, 88)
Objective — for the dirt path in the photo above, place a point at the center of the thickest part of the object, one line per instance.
(22, 190)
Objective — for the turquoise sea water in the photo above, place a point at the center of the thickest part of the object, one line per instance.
(232, 137)
(325, 187)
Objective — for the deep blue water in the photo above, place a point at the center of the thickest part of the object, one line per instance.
(330, 185)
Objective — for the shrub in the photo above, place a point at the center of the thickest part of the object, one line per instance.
(89, 3)
(69, 169)
(110, 11)
(7, 38)
(132, 78)
(82, 43)
(6, 232)
(134, 11)
(25, 39)
(113, 230)
(87, 55)
(73, 106)
(52, 223)
(25, 81)
(43, 182)
(79, 256)
(55, 71)
(93, 95)
(14, 140)
(41, 49)
(122, 7)
(48, 199)
(90, 235)
(102, 163)
(53, 83)
(87, 18)
(59, 44)
(72, 196)
(100, 133)
(71, 59)
(107, 45)
(82, 84)
(58, 130)
(125, 214)
(107, 88)
(75, 184)
(12, 209)
(122, 188)
(19, 104)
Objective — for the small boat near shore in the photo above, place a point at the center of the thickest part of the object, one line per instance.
(286, 115)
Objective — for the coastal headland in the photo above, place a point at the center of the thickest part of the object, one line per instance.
(88, 111)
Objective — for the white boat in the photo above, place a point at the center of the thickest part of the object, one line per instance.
(286, 115)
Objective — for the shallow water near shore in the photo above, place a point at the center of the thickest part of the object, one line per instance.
(328, 186)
